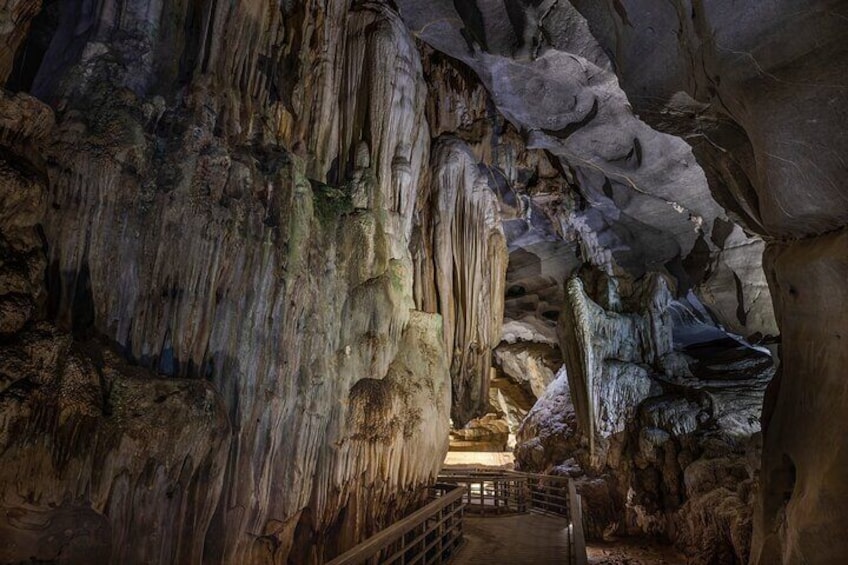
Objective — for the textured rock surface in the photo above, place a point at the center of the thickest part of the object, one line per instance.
(549, 435)
(550, 77)
(463, 238)
(97, 455)
(489, 433)
(532, 365)
(249, 215)
(232, 217)
(15, 19)
(610, 356)
(675, 454)
(736, 290)
(767, 127)
(94, 452)
(804, 447)
(757, 91)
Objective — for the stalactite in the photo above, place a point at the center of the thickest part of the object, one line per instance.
(188, 228)
(469, 265)
(606, 354)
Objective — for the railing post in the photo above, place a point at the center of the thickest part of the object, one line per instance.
(524, 494)
(576, 512)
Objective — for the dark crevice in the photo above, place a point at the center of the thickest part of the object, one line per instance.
(474, 31)
(741, 314)
(31, 54)
(566, 132)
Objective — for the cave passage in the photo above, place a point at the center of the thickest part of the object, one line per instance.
(274, 275)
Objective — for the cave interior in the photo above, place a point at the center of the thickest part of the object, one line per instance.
(262, 263)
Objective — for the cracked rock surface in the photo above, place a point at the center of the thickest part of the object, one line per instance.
(257, 257)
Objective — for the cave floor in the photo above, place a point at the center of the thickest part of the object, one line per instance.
(514, 540)
(632, 551)
(494, 459)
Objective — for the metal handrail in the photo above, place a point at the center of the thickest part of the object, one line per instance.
(487, 493)
(431, 534)
(498, 491)
(434, 533)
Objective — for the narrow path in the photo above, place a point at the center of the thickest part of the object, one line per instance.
(532, 538)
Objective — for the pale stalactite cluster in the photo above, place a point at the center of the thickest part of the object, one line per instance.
(469, 266)
(607, 356)
(531, 191)
(184, 230)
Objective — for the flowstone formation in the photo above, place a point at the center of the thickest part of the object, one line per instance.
(256, 256)
(469, 258)
(234, 230)
(94, 451)
(662, 438)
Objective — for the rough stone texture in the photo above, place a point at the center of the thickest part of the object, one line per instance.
(549, 433)
(512, 401)
(532, 365)
(646, 204)
(227, 207)
(488, 433)
(94, 452)
(758, 92)
(549, 76)
(681, 469)
(766, 75)
(15, 19)
(609, 356)
(461, 264)
(803, 488)
(767, 125)
(531, 195)
(98, 456)
(673, 450)
(736, 290)
(232, 192)
(24, 123)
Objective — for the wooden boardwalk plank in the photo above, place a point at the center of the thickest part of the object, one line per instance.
(514, 540)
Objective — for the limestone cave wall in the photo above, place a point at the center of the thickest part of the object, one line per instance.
(255, 256)
(225, 363)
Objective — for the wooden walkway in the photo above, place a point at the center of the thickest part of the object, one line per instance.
(521, 518)
(535, 539)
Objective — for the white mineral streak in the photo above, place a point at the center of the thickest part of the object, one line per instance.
(230, 264)
(470, 257)
(608, 355)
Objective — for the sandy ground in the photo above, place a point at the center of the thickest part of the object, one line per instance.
(633, 552)
(503, 459)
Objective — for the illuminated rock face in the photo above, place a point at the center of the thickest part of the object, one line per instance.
(758, 93)
(469, 258)
(660, 441)
(254, 255)
(233, 214)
